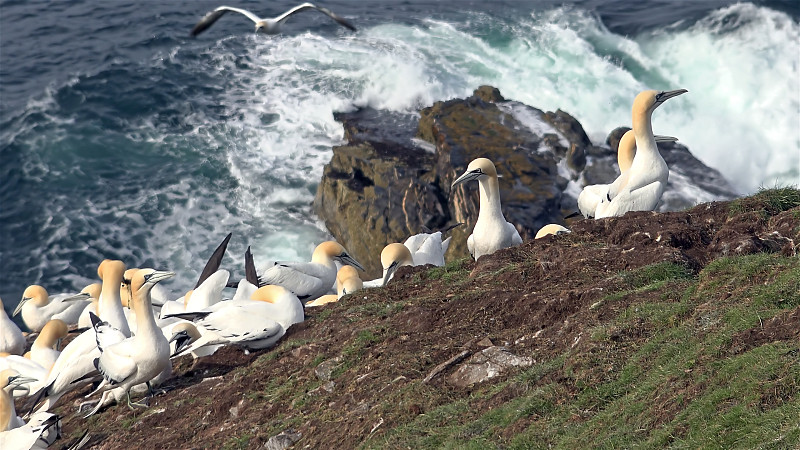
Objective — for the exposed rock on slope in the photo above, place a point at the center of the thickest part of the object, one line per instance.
(394, 175)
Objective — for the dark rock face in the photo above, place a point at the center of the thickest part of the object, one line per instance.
(394, 175)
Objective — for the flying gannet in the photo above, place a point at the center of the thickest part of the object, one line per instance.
(37, 307)
(137, 359)
(268, 25)
(312, 279)
(647, 177)
(11, 338)
(491, 232)
(591, 195)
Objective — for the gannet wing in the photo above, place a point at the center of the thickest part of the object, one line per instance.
(242, 324)
(212, 266)
(515, 237)
(305, 6)
(303, 279)
(214, 15)
(250, 273)
(116, 363)
(446, 244)
(105, 334)
(471, 245)
(589, 197)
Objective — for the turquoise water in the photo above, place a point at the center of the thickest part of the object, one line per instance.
(121, 137)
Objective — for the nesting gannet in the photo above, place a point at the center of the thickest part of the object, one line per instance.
(347, 282)
(428, 248)
(41, 430)
(253, 324)
(11, 338)
(77, 359)
(268, 26)
(393, 256)
(552, 228)
(140, 358)
(591, 195)
(313, 279)
(648, 174)
(37, 307)
(491, 232)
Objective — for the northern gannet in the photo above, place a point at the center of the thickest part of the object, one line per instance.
(11, 338)
(313, 279)
(491, 232)
(41, 430)
(268, 26)
(37, 307)
(208, 292)
(428, 248)
(137, 359)
(94, 296)
(591, 195)
(552, 228)
(347, 282)
(44, 349)
(393, 256)
(33, 372)
(253, 324)
(648, 174)
(77, 358)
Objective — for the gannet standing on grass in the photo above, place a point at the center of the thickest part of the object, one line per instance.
(312, 279)
(37, 307)
(139, 358)
(11, 338)
(491, 232)
(266, 25)
(591, 195)
(648, 174)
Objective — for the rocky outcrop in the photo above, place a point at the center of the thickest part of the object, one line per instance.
(393, 176)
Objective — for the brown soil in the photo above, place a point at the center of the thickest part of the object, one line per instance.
(534, 299)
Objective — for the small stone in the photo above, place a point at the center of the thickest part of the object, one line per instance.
(283, 440)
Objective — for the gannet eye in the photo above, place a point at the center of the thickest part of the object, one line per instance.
(478, 170)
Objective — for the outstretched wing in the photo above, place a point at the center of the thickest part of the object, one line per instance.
(214, 15)
(214, 261)
(306, 6)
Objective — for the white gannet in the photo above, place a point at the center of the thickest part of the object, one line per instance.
(137, 359)
(44, 349)
(428, 248)
(312, 279)
(30, 370)
(11, 338)
(267, 25)
(591, 195)
(77, 358)
(37, 307)
(208, 292)
(647, 177)
(253, 324)
(393, 256)
(347, 282)
(491, 232)
(94, 296)
(41, 430)
(552, 228)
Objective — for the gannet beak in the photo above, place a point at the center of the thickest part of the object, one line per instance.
(468, 176)
(178, 335)
(389, 272)
(663, 96)
(81, 296)
(157, 276)
(347, 259)
(19, 306)
(660, 138)
(20, 380)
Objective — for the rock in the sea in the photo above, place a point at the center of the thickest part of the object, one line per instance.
(393, 176)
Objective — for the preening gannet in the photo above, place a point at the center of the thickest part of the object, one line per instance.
(549, 229)
(648, 174)
(11, 338)
(491, 232)
(37, 307)
(139, 358)
(428, 248)
(253, 324)
(268, 26)
(41, 430)
(347, 282)
(313, 279)
(44, 349)
(591, 195)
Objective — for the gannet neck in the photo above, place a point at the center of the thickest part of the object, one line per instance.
(489, 196)
(142, 283)
(109, 307)
(51, 333)
(7, 410)
(626, 151)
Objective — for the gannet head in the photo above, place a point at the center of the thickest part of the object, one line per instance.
(393, 257)
(262, 26)
(144, 280)
(52, 333)
(330, 250)
(33, 293)
(346, 272)
(271, 293)
(183, 334)
(93, 290)
(10, 377)
(125, 292)
(552, 228)
(479, 168)
(647, 101)
(110, 268)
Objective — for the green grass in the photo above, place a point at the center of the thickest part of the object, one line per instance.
(768, 202)
(452, 272)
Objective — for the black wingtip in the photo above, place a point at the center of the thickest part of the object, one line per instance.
(250, 273)
(215, 261)
(95, 320)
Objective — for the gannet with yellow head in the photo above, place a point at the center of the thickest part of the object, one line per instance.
(37, 307)
(347, 282)
(492, 232)
(648, 173)
(93, 290)
(11, 338)
(44, 349)
(552, 228)
(268, 25)
(313, 279)
(41, 430)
